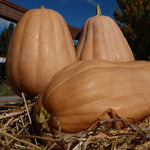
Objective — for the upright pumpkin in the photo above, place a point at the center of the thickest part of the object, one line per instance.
(101, 38)
(40, 46)
(81, 92)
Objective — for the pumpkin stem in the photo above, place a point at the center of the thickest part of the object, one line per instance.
(42, 6)
(98, 11)
(41, 118)
(42, 115)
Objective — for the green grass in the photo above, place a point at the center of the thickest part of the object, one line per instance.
(5, 89)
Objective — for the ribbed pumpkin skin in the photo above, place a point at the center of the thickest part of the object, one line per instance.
(80, 93)
(101, 38)
(40, 46)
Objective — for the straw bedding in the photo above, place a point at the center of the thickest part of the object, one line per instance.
(18, 131)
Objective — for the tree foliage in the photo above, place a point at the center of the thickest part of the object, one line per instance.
(4, 39)
(133, 17)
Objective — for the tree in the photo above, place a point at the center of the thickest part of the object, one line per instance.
(4, 39)
(134, 20)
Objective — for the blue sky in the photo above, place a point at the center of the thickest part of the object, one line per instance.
(75, 12)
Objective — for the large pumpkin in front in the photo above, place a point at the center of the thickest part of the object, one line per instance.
(40, 46)
(81, 92)
(101, 38)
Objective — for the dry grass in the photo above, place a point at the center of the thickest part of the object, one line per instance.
(18, 131)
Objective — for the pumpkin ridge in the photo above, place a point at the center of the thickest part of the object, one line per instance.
(116, 35)
(39, 52)
(66, 30)
(55, 46)
(91, 35)
(16, 73)
(31, 16)
(58, 84)
(110, 28)
(91, 114)
(86, 37)
(67, 111)
(127, 45)
(82, 38)
(19, 76)
(113, 28)
(75, 107)
(84, 65)
(93, 41)
(117, 30)
(55, 35)
(80, 74)
(103, 39)
(62, 75)
(61, 21)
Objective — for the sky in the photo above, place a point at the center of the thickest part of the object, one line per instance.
(75, 12)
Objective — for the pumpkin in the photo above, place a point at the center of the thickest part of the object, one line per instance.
(101, 38)
(40, 46)
(82, 91)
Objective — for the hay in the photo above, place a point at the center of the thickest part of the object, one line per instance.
(18, 131)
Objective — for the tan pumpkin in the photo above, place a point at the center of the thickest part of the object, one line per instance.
(81, 92)
(40, 46)
(101, 38)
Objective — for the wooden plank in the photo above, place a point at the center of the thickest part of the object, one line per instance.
(75, 32)
(12, 12)
(10, 100)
